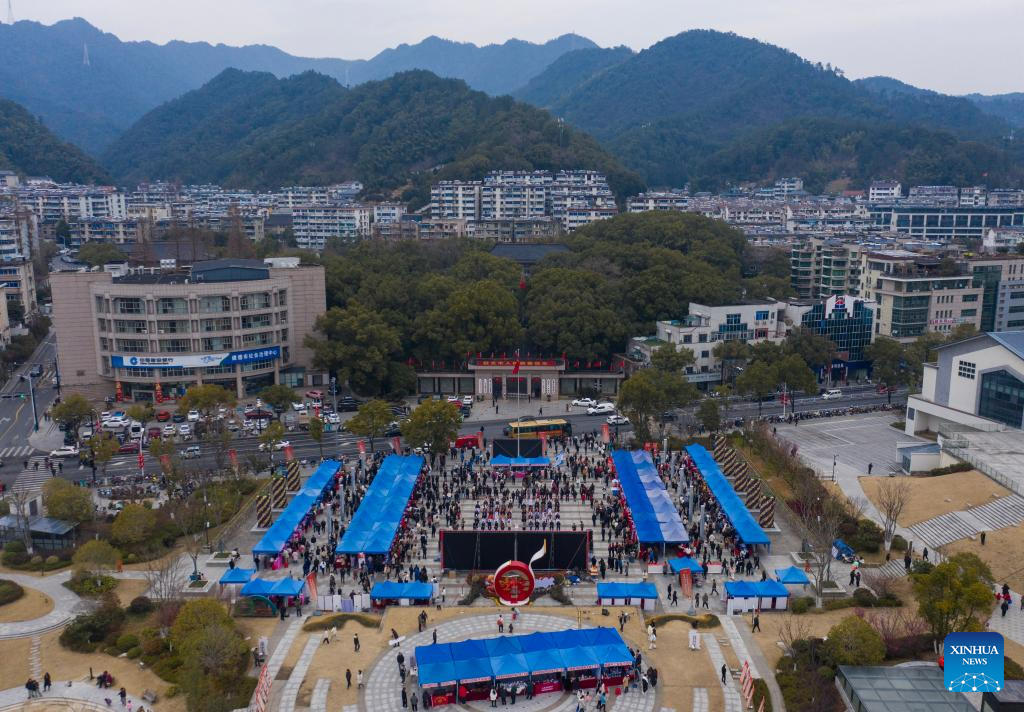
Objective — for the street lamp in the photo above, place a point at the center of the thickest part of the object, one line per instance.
(32, 396)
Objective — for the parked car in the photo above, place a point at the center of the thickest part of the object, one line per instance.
(831, 394)
(394, 430)
(601, 409)
(185, 430)
(178, 418)
(584, 403)
(297, 407)
(37, 370)
(129, 447)
(467, 400)
(153, 433)
(116, 423)
(315, 395)
(193, 416)
(65, 451)
(190, 452)
(332, 419)
(279, 445)
(163, 416)
(169, 431)
(617, 420)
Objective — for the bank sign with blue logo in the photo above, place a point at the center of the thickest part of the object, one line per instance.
(973, 662)
(269, 353)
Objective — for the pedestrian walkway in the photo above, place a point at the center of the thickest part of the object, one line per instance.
(14, 453)
(290, 693)
(277, 658)
(700, 699)
(967, 524)
(76, 695)
(66, 605)
(1012, 625)
(318, 702)
(733, 703)
(31, 478)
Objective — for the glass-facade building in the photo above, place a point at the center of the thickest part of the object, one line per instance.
(850, 329)
(1002, 398)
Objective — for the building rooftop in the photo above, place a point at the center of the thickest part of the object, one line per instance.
(1012, 340)
(903, 689)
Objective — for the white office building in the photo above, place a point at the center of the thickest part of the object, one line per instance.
(314, 225)
(884, 191)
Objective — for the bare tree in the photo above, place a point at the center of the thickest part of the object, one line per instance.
(893, 496)
(165, 578)
(792, 629)
(20, 499)
(822, 515)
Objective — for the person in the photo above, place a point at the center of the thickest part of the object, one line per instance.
(355, 642)
(675, 598)
(906, 562)
(924, 553)
(405, 698)
(644, 683)
(580, 698)
(414, 701)
(493, 695)
(47, 682)
(871, 466)
(400, 659)
(435, 636)
(123, 694)
(757, 622)
(348, 678)
(652, 636)
(983, 538)
(714, 586)
(501, 623)
(706, 601)
(724, 671)
(359, 679)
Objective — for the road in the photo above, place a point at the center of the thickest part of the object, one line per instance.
(16, 423)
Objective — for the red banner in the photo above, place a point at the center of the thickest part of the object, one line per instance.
(605, 433)
(261, 696)
(480, 439)
(142, 460)
(543, 444)
(686, 582)
(362, 447)
(289, 453)
(311, 585)
(396, 444)
(165, 460)
(118, 392)
(507, 362)
(233, 455)
(159, 393)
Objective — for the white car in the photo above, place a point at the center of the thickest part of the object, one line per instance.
(279, 445)
(601, 409)
(584, 403)
(185, 430)
(193, 416)
(332, 418)
(453, 399)
(115, 423)
(832, 393)
(467, 400)
(298, 406)
(65, 451)
(169, 431)
(617, 420)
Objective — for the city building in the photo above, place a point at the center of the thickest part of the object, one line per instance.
(705, 327)
(234, 322)
(975, 196)
(785, 187)
(19, 281)
(455, 199)
(915, 293)
(884, 191)
(541, 378)
(897, 689)
(1001, 278)
(975, 384)
(1006, 239)
(1006, 198)
(824, 267)
(645, 202)
(849, 322)
(537, 229)
(314, 225)
(934, 195)
(944, 222)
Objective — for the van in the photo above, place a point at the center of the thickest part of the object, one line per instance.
(832, 393)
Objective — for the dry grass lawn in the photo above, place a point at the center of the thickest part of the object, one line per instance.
(1002, 552)
(932, 496)
(33, 604)
(63, 664)
(128, 589)
(15, 670)
(679, 673)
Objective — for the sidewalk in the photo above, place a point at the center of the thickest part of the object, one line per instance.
(79, 693)
(512, 408)
(48, 438)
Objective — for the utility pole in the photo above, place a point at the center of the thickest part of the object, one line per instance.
(32, 396)
(10, 12)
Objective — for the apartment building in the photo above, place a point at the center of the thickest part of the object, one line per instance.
(238, 323)
(647, 202)
(975, 196)
(944, 223)
(934, 195)
(505, 201)
(884, 191)
(453, 199)
(536, 229)
(1001, 278)
(823, 267)
(19, 284)
(314, 225)
(388, 213)
(1006, 198)
(915, 294)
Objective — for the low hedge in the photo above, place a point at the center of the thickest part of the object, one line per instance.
(10, 592)
(705, 620)
(141, 605)
(87, 584)
(949, 470)
(801, 605)
(863, 598)
(899, 543)
(337, 620)
(761, 691)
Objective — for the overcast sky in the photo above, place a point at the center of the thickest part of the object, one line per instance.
(947, 45)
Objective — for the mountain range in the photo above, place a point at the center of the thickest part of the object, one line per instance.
(253, 129)
(89, 86)
(703, 108)
(27, 147)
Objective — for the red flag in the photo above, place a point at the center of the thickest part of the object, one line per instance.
(233, 454)
(396, 444)
(605, 435)
(362, 447)
(480, 439)
(289, 454)
(543, 444)
(142, 460)
(522, 282)
(515, 366)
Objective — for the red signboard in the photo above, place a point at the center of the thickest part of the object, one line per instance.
(289, 453)
(142, 460)
(511, 362)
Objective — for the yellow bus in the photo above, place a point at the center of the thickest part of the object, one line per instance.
(552, 428)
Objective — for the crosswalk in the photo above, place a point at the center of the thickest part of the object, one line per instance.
(30, 480)
(13, 453)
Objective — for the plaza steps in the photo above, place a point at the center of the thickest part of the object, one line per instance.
(965, 524)
(1000, 513)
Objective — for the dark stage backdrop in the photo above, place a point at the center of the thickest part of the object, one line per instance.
(486, 550)
(528, 447)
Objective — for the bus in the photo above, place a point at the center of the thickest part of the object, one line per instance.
(552, 428)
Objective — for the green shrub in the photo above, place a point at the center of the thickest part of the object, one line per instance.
(801, 605)
(958, 467)
(707, 620)
(51, 560)
(899, 543)
(134, 652)
(338, 620)
(15, 554)
(167, 669)
(15, 547)
(761, 692)
(173, 691)
(921, 567)
(864, 598)
(151, 642)
(853, 641)
(10, 592)
(131, 559)
(36, 560)
(140, 605)
(87, 584)
(868, 537)
(87, 631)
(127, 641)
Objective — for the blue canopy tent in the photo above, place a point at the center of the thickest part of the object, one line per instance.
(580, 658)
(655, 517)
(615, 590)
(472, 661)
(506, 461)
(264, 588)
(544, 660)
(685, 562)
(747, 528)
(743, 596)
(237, 576)
(792, 575)
(435, 665)
(276, 537)
(373, 528)
(386, 590)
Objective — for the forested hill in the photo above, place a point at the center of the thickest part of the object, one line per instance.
(666, 110)
(89, 86)
(252, 129)
(27, 147)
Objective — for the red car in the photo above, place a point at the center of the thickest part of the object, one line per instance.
(464, 441)
(154, 433)
(163, 416)
(130, 446)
